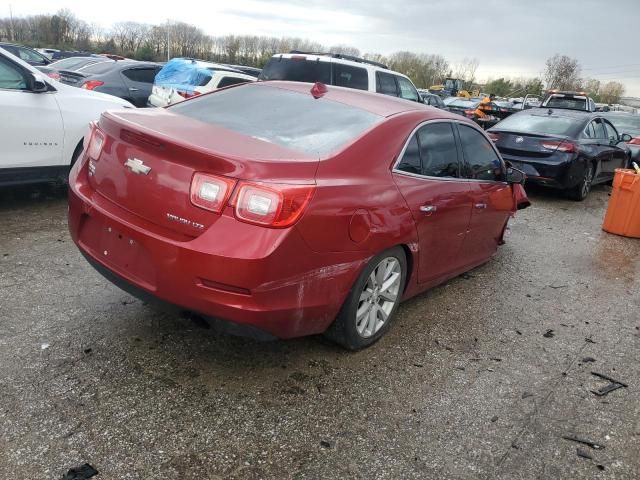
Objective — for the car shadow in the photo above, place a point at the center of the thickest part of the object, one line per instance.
(18, 196)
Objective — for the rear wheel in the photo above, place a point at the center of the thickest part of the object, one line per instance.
(368, 311)
(580, 191)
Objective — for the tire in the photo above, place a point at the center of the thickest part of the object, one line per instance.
(355, 331)
(581, 191)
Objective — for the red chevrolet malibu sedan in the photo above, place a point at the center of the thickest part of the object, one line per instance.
(285, 209)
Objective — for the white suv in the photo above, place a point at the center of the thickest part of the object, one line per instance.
(340, 70)
(183, 78)
(43, 122)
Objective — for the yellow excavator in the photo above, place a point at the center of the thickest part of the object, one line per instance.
(453, 87)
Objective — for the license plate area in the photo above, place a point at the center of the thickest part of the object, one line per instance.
(119, 252)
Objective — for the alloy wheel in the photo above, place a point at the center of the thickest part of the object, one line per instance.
(379, 296)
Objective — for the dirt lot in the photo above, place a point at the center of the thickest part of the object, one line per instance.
(479, 378)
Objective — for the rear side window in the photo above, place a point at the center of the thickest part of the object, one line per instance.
(438, 150)
(386, 84)
(351, 77)
(407, 90)
(482, 161)
(228, 81)
(292, 120)
(143, 75)
(297, 69)
(410, 162)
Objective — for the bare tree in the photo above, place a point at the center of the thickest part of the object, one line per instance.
(562, 72)
(611, 92)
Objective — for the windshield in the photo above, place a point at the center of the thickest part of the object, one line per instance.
(626, 124)
(293, 120)
(297, 70)
(536, 123)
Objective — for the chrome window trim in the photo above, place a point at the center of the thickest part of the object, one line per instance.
(394, 168)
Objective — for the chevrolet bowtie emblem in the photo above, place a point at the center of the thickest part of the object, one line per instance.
(137, 166)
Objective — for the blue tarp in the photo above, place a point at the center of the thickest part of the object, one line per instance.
(182, 74)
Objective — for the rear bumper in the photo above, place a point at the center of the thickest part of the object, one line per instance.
(563, 175)
(277, 288)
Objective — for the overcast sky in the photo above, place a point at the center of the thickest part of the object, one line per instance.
(508, 37)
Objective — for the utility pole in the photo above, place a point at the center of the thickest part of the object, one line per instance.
(168, 42)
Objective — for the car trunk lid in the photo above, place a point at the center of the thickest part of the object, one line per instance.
(528, 144)
(149, 158)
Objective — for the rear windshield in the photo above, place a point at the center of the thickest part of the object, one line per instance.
(99, 68)
(315, 127)
(538, 123)
(297, 70)
(625, 124)
(567, 102)
(75, 62)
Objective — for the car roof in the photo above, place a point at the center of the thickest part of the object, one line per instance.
(383, 105)
(343, 59)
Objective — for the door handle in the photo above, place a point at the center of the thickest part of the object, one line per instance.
(480, 206)
(428, 209)
(133, 89)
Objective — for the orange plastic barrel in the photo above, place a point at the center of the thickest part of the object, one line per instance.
(623, 212)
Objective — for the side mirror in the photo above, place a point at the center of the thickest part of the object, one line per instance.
(37, 85)
(515, 176)
(625, 137)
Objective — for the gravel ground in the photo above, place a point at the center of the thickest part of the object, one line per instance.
(478, 378)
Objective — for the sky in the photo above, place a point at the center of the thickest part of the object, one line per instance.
(510, 38)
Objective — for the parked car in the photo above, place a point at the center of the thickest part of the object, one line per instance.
(432, 99)
(569, 100)
(287, 210)
(127, 79)
(341, 70)
(59, 69)
(630, 124)
(29, 55)
(43, 122)
(47, 52)
(183, 78)
(564, 149)
(463, 106)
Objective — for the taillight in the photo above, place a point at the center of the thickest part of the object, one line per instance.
(563, 146)
(494, 137)
(187, 94)
(54, 75)
(96, 142)
(634, 141)
(272, 205)
(92, 84)
(211, 192)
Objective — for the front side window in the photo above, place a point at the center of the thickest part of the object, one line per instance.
(350, 77)
(482, 160)
(386, 84)
(10, 77)
(438, 150)
(407, 90)
(612, 135)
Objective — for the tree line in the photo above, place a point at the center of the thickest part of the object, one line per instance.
(143, 41)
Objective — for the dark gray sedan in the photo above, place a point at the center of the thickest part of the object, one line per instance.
(127, 79)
